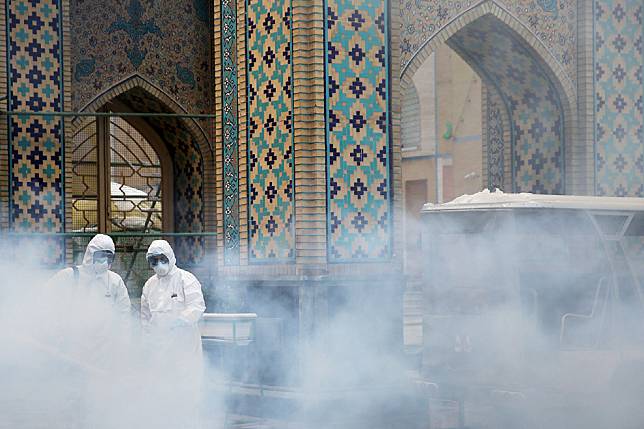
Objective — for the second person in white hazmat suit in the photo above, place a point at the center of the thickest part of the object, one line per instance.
(172, 302)
(171, 305)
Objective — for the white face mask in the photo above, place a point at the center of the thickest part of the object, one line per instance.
(162, 268)
(101, 267)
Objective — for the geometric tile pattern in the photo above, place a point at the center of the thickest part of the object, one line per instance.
(230, 128)
(619, 129)
(358, 131)
(271, 171)
(35, 84)
(166, 42)
(532, 100)
(553, 22)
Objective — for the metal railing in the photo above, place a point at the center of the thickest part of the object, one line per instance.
(59, 250)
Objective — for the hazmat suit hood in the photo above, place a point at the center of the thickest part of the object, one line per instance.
(98, 243)
(162, 247)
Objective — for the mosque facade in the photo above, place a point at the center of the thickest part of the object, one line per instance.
(277, 123)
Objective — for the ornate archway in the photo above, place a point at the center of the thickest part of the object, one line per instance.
(189, 151)
(527, 86)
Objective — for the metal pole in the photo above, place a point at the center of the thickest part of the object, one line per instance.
(110, 114)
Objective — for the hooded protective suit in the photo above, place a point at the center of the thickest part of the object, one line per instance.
(106, 283)
(172, 304)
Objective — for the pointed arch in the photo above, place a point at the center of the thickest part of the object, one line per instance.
(562, 88)
(489, 7)
(191, 153)
(166, 101)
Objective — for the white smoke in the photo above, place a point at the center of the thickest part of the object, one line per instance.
(69, 360)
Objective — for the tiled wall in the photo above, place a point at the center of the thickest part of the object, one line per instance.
(258, 163)
(619, 91)
(166, 42)
(34, 69)
(271, 171)
(358, 131)
(552, 22)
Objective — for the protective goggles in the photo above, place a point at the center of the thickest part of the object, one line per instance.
(103, 256)
(154, 260)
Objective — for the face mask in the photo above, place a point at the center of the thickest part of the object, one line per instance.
(161, 269)
(101, 267)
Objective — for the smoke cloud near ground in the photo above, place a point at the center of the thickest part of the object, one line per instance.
(532, 321)
(495, 351)
(68, 360)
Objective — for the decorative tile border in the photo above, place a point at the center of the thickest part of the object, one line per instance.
(552, 23)
(230, 132)
(494, 127)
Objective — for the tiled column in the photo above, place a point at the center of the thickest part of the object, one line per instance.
(619, 94)
(35, 83)
(359, 132)
(311, 103)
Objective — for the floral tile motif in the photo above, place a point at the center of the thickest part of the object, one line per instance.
(167, 43)
(553, 22)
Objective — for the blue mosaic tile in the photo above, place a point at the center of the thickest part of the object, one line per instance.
(357, 131)
(619, 118)
(34, 63)
(271, 172)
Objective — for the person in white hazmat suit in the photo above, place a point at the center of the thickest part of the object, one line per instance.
(172, 301)
(171, 305)
(88, 325)
(94, 274)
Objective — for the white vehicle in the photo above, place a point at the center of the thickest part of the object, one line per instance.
(534, 311)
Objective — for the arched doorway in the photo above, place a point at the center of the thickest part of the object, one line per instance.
(148, 153)
(518, 95)
(120, 178)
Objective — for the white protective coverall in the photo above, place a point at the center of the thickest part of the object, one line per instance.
(107, 284)
(171, 306)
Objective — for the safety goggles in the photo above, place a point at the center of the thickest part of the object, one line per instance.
(154, 260)
(103, 256)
